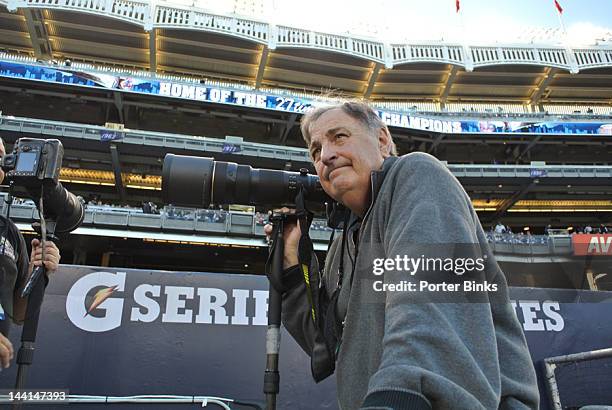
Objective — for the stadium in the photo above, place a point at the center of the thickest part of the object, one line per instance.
(525, 127)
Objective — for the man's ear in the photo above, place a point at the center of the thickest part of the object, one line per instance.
(384, 141)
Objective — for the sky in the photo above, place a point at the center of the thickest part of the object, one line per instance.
(480, 21)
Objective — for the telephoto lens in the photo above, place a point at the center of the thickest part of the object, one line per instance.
(64, 207)
(198, 182)
(60, 205)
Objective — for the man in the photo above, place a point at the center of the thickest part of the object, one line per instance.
(499, 228)
(14, 270)
(408, 349)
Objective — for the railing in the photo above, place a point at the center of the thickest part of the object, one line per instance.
(532, 245)
(169, 220)
(206, 144)
(211, 221)
(151, 15)
(535, 170)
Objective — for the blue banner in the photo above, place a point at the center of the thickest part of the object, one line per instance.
(231, 148)
(121, 332)
(106, 135)
(252, 99)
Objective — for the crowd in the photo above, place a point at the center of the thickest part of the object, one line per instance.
(517, 239)
(211, 215)
(588, 229)
(317, 224)
(499, 232)
(501, 229)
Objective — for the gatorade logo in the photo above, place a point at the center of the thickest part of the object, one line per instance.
(111, 307)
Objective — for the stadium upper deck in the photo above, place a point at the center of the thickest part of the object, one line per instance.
(186, 41)
(188, 47)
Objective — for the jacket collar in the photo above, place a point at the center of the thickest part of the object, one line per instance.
(377, 177)
(376, 180)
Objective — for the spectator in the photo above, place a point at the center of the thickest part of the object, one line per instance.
(499, 228)
(146, 207)
(588, 229)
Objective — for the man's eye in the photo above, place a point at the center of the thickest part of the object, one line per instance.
(340, 135)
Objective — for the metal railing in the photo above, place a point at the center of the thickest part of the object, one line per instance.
(530, 245)
(170, 220)
(210, 221)
(49, 129)
(550, 364)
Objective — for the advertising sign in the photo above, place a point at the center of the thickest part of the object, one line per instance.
(592, 244)
(254, 99)
(125, 332)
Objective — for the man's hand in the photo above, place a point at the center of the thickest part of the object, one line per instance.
(52, 258)
(291, 235)
(6, 351)
(52, 255)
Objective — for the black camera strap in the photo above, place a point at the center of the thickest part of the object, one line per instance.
(322, 362)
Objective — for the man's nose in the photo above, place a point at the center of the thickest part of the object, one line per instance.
(328, 154)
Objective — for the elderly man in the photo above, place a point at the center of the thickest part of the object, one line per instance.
(14, 270)
(396, 344)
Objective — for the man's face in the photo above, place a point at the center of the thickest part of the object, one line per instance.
(345, 152)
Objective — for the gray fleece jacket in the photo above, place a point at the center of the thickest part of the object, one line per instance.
(420, 349)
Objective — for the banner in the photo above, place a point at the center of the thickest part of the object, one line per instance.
(106, 135)
(253, 99)
(592, 244)
(123, 332)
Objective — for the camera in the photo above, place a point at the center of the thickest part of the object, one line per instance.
(33, 169)
(33, 161)
(198, 182)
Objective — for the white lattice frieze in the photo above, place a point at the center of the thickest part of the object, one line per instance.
(172, 17)
(591, 58)
(553, 57)
(128, 10)
(407, 53)
(288, 36)
(168, 16)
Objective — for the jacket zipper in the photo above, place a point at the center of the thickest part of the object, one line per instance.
(365, 218)
(360, 234)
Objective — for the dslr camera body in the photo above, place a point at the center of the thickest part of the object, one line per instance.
(33, 162)
(33, 169)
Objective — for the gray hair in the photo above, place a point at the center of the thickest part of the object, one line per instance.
(360, 111)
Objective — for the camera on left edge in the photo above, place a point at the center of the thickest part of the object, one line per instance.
(33, 167)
